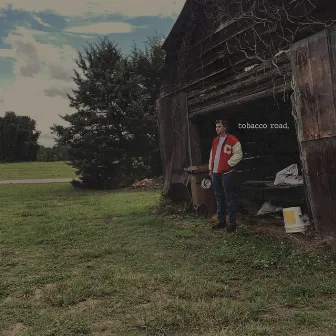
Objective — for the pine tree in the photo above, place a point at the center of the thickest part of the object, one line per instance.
(147, 64)
(110, 132)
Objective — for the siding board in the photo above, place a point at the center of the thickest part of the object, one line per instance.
(313, 61)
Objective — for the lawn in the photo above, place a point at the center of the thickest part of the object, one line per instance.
(35, 170)
(97, 263)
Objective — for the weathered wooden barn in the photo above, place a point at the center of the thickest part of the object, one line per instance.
(255, 62)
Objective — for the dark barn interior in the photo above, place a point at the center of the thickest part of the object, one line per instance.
(266, 150)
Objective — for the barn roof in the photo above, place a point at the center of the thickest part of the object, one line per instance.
(179, 28)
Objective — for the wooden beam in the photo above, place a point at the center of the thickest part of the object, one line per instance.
(263, 68)
(241, 99)
(243, 85)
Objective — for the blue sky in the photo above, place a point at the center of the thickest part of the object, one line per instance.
(38, 44)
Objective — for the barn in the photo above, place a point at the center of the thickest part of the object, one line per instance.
(269, 68)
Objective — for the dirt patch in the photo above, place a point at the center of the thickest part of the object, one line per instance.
(179, 225)
(106, 219)
(314, 242)
(145, 305)
(39, 292)
(109, 328)
(36, 181)
(147, 184)
(10, 298)
(85, 305)
(159, 255)
(16, 330)
(274, 226)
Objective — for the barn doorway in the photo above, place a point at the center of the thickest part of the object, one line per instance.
(266, 130)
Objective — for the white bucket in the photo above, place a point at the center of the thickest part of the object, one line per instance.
(293, 222)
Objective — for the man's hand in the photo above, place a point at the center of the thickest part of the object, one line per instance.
(210, 173)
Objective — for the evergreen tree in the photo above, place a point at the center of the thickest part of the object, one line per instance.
(110, 133)
(147, 64)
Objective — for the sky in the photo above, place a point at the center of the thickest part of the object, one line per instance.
(39, 40)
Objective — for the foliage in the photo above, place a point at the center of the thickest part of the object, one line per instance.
(168, 208)
(51, 154)
(146, 64)
(18, 138)
(112, 136)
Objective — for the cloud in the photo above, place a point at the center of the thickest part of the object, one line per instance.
(2, 100)
(7, 53)
(32, 57)
(27, 97)
(27, 52)
(39, 20)
(54, 92)
(42, 96)
(102, 28)
(59, 72)
(80, 8)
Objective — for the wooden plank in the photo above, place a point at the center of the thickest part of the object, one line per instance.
(166, 140)
(307, 111)
(195, 145)
(180, 134)
(322, 84)
(173, 136)
(241, 99)
(256, 69)
(217, 77)
(241, 87)
(332, 53)
(313, 70)
(321, 159)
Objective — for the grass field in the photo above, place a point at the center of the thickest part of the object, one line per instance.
(35, 170)
(96, 263)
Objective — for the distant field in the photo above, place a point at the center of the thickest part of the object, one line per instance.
(35, 170)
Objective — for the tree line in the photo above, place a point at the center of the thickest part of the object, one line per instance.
(19, 141)
(111, 138)
(18, 138)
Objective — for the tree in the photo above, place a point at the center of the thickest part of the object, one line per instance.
(50, 154)
(18, 138)
(110, 134)
(146, 64)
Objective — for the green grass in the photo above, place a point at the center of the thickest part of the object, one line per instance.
(35, 170)
(96, 263)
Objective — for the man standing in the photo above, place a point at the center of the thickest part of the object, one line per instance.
(225, 153)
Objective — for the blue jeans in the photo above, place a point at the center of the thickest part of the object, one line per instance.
(225, 192)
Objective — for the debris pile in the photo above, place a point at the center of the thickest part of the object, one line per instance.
(289, 175)
(142, 183)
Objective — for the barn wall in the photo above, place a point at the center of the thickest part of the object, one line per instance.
(313, 61)
(222, 59)
(220, 65)
(174, 139)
